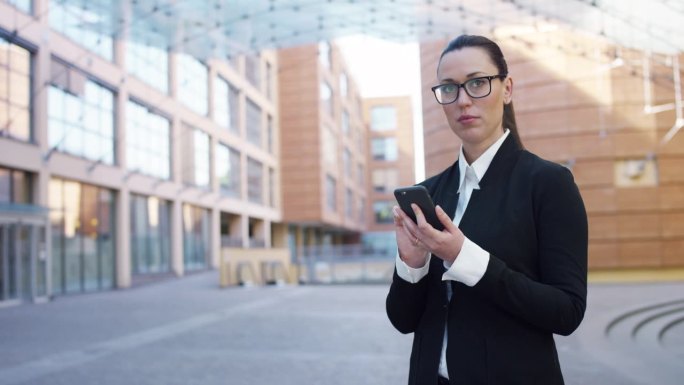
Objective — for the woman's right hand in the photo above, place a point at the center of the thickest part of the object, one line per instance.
(411, 249)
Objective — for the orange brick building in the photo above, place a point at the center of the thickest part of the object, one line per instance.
(603, 111)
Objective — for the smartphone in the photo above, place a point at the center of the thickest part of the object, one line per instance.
(420, 196)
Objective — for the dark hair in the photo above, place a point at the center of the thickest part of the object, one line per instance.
(497, 57)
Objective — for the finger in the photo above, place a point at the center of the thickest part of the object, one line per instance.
(420, 218)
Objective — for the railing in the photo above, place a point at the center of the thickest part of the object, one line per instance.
(345, 264)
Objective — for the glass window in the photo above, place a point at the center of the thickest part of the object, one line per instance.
(345, 123)
(82, 124)
(253, 123)
(324, 54)
(385, 181)
(255, 181)
(383, 211)
(344, 84)
(272, 187)
(383, 118)
(270, 134)
(148, 63)
(196, 157)
(253, 70)
(384, 149)
(362, 210)
(329, 145)
(331, 193)
(193, 83)
(15, 90)
(361, 174)
(83, 222)
(269, 81)
(349, 203)
(15, 186)
(225, 105)
(228, 170)
(23, 5)
(150, 235)
(326, 98)
(86, 27)
(196, 245)
(347, 161)
(148, 143)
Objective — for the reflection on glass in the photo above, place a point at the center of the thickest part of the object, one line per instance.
(15, 88)
(82, 240)
(82, 125)
(193, 83)
(195, 237)
(150, 235)
(75, 21)
(148, 144)
(148, 63)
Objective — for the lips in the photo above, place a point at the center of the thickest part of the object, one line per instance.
(465, 119)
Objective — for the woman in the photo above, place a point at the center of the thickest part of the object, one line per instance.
(485, 295)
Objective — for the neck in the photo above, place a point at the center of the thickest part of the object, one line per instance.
(473, 151)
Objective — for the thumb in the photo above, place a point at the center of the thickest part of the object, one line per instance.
(445, 219)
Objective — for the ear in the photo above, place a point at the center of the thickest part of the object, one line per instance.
(508, 90)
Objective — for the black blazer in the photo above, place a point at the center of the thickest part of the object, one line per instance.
(528, 214)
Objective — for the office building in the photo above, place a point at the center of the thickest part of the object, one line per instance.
(391, 164)
(323, 154)
(122, 161)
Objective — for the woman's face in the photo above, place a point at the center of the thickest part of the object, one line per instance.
(478, 122)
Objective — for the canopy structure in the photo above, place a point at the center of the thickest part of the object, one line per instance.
(222, 28)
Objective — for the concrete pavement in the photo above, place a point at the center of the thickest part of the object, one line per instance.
(188, 331)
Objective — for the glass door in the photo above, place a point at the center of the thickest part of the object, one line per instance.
(23, 263)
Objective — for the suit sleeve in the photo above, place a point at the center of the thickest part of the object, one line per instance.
(557, 300)
(405, 303)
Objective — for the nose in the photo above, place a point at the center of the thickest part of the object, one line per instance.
(463, 98)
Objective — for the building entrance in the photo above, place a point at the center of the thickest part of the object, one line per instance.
(23, 260)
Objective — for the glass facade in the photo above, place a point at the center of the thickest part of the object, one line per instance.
(383, 211)
(253, 70)
(23, 5)
(384, 149)
(15, 91)
(226, 113)
(196, 170)
(69, 18)
(15, 186)
(331, 193)
(150, 235)
(148, 142)
(196, 245)
(349, 203)
(82, 217)
(193, 83)
(254, 129)
(385, 180)
(327, 103)
(149, 64)
(255, 181)
(82, 124)
(383, 118)
(228, 170)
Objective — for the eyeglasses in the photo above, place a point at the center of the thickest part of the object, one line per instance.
(476, 88)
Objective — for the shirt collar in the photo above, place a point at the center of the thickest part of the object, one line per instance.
(481, 164)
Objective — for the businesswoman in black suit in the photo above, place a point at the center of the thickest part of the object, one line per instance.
(485, 295)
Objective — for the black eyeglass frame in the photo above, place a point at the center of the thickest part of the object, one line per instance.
(463, 85)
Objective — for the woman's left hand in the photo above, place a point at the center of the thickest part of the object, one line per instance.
(445, 244)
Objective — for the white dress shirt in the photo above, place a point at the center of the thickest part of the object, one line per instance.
(471, 262)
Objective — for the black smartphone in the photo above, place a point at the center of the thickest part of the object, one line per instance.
(420, 196)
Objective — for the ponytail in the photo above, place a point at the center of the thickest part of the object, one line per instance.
(509, 122)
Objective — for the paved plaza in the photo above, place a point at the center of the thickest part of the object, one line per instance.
(188, 331)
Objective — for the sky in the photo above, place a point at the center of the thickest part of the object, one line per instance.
(384, 68)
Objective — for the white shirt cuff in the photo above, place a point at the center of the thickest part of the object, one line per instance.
(469, 266)
(409, 274)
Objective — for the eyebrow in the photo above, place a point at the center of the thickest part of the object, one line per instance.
(469, 76)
